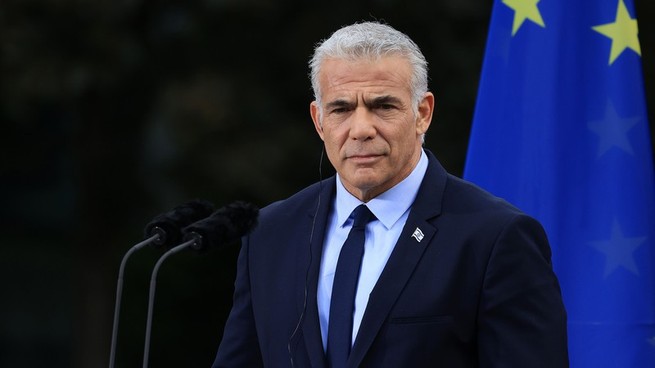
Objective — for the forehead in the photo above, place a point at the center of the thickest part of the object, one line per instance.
(386, 75)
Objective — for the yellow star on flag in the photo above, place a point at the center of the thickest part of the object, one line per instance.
(623, 32)
(524, 9)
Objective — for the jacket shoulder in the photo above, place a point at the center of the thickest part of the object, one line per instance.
(466, 196)
(302, 203)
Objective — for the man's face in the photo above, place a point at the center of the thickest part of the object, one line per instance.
(371, 134)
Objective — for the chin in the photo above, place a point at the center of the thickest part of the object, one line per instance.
(367, 185)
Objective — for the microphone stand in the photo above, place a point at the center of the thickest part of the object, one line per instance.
(151, 297)
(156, 238)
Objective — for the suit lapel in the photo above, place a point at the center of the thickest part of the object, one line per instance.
(310, 326)
(414, 239)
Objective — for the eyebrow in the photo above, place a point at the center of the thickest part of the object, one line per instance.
(337, 104)
(375, 102)
(383, 100)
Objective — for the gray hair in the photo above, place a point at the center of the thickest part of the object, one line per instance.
(371, 40)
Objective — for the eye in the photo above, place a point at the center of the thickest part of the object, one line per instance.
(386, 103)
(386, 107)
(340, 109)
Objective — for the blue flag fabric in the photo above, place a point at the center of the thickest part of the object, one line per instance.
(560, 130)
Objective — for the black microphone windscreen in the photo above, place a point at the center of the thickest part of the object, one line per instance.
(224, 226)
(172, 222)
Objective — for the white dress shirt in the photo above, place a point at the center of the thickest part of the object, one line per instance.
(391, 209)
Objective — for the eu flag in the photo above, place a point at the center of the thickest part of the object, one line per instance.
(560, 130)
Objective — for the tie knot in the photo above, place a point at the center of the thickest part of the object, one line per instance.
(361, 216)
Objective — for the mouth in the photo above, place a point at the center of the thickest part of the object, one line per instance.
(364, 158)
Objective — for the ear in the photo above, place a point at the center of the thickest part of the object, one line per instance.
(425, 110)
(315, 112)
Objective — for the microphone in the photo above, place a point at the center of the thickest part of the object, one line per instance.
(169, 225)
(163, 231)
(224, 226)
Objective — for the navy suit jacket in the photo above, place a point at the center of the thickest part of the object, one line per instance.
(477, 290)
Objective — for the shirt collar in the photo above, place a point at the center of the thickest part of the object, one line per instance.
(387, 207)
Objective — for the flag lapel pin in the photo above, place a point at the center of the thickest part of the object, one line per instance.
(418, 235)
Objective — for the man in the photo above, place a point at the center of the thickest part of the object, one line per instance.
(450, 276)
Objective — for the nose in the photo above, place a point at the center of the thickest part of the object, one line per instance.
(362, 124)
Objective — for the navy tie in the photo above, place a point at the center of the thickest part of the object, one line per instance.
(342, 306)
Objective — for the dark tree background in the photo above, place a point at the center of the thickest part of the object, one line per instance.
(113, 111)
